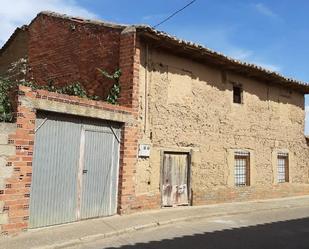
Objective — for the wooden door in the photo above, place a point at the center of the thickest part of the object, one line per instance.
(174, 187)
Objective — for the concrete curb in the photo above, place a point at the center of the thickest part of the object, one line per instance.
(95, 237)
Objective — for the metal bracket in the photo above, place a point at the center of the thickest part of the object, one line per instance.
(117, 138)
(41, 124)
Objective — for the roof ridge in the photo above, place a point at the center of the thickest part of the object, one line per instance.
(81, 19)
(205, 49)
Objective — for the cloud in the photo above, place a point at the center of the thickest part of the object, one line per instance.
(239, 53)
(19, 12)
(153, 17)
(271, 67)
(219, 39)
(264, 10)
(250, 57)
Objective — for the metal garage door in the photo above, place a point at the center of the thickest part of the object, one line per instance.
(75, 169)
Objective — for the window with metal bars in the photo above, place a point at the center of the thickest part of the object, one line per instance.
(283, 167)
(242, 169)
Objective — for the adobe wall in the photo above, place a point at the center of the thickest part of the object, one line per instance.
(190, 108)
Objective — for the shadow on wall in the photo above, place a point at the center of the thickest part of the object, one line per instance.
(292, 234)
(223, 80)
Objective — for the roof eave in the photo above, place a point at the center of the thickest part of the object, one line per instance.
(201, 53)
(80, 20)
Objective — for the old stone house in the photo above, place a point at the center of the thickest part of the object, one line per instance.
(192, 126)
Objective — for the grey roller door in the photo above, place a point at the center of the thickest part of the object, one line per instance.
(75, 170)
(100, 172)
(53, 188)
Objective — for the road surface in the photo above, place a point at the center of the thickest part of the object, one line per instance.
(286, 228)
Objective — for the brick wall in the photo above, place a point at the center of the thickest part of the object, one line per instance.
(63, 51)
(260, 192)
(129, 62)
(15, 189)
(14, 50)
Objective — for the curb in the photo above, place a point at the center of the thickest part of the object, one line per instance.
(95, 237)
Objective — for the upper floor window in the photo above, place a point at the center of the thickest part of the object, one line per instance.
(242, 168)
(237, 94)
(283, 167)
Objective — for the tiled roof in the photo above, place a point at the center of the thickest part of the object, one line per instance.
(196, 51)
(199, 51)
(82, 20)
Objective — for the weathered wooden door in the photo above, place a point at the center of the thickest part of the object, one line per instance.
(175, 179)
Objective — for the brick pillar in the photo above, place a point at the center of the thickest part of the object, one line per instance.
(127, 173)
(16, 193)
(129, 62)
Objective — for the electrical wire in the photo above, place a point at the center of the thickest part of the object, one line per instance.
(175, 13)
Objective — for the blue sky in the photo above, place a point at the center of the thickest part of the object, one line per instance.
(273, 33)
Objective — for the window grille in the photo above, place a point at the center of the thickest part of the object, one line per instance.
(242, 168)
(283, 168)
(283, 154)
(241, 153)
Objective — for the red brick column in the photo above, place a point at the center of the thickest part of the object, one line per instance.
(16, 195)
(128, 159)
(129, 62)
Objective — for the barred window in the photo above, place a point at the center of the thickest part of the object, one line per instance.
(283, 167)
(242, 168)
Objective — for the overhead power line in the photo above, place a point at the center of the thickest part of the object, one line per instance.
(175, 13)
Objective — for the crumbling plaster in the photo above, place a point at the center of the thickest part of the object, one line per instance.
(185, 104)
(6, 150)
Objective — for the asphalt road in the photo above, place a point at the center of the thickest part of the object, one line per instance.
(277, 229)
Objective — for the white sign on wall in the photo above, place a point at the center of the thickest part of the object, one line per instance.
(144, 150)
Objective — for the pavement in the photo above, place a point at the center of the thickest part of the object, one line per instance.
(271, 229)
(89, 231)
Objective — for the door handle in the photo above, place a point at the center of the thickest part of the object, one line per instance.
(85, 171)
